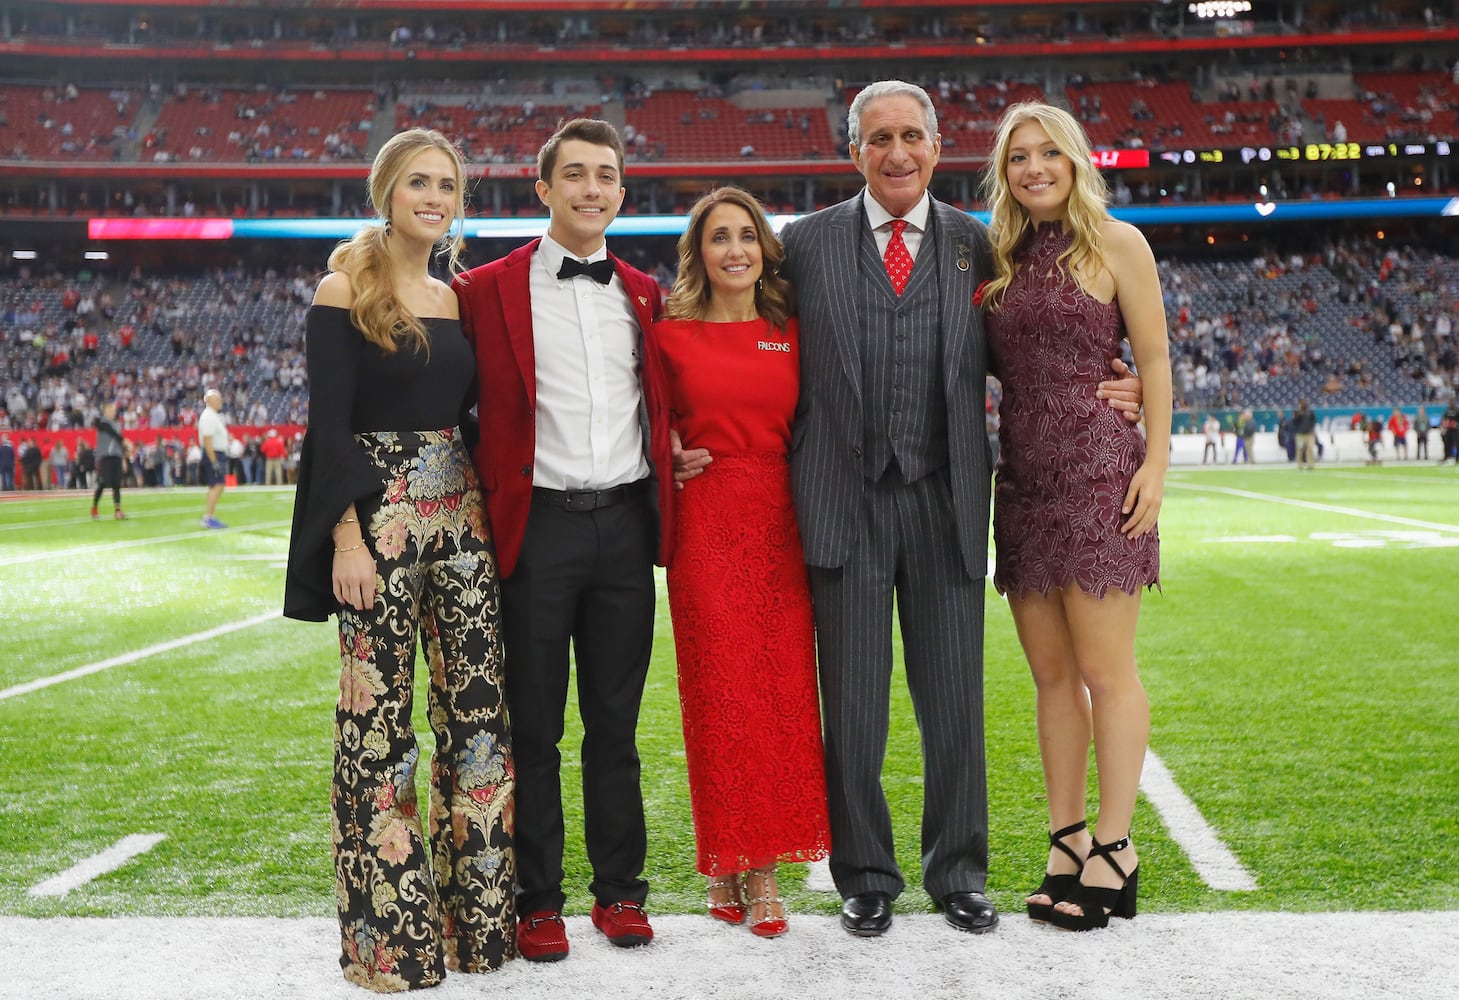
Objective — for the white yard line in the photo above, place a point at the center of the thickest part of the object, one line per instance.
(87, 550)
(82, 514)
(1314, 505)
(1387, 478)
(1212, 860)
(140, 654)
(97, 865)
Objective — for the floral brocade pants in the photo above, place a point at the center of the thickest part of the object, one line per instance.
(409, 910)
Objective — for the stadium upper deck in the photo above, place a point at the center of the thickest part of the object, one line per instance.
(272, 108)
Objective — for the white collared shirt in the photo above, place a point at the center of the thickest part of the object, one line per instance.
(880, 221)
(587, 341)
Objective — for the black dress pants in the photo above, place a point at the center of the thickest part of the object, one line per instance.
(581, 595)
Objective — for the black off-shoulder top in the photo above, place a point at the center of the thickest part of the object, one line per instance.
(355, 387)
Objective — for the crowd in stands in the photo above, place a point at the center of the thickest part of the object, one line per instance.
(152, 345)
(1359, 323)
(1355, 324)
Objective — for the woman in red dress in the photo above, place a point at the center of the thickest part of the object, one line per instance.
(738, 594)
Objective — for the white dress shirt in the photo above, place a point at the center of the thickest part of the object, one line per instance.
(880, 221)
(587, 341)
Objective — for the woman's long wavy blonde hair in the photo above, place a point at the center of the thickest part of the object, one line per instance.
(1009, 221)
(377, 311)
(690, 295)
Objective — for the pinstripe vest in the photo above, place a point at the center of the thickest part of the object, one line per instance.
(901, 351)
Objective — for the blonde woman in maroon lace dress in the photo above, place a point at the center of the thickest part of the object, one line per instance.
(1077, 492)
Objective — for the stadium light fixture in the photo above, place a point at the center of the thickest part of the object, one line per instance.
(96, 255)
(23, 255)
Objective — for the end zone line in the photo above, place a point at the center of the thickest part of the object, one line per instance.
(1212, 860)
(140, 654)
(97, 865)
(1314, 505)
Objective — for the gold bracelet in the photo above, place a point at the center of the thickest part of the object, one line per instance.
(352, 548)
(347, 520)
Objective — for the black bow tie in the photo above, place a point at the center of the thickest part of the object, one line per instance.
(600, 271)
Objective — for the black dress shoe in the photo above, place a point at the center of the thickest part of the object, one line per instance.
(867, 914)
(969, 911)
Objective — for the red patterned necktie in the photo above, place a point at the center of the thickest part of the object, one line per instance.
(897, 259)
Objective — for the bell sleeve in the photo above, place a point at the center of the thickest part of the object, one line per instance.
(334, 470)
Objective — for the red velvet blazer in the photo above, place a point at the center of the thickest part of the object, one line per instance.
(496, 314)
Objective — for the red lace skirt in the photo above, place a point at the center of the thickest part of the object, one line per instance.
(745, 641)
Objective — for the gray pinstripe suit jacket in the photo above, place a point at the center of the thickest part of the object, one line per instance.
(826, 260)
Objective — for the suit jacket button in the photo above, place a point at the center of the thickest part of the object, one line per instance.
(527, 470)
(856, 452)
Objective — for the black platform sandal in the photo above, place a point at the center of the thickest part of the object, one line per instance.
(1057, 887)
(1098, 903)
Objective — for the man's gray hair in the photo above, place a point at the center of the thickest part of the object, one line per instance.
(887, 88)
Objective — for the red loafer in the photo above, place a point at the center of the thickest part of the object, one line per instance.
(542, 937)
(625, 923)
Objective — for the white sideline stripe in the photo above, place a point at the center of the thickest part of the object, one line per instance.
(1239, 955)
(818, 876)
(1314, 505)
(140, 654)
(1212, 860)
(97, 865)
(86, 550)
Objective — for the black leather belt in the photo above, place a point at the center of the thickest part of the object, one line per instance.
(581, 500)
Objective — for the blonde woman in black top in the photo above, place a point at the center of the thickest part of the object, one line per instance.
(389, 536)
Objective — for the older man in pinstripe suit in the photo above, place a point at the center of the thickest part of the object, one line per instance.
(891, 472)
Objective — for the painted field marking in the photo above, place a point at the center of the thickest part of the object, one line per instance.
(132, 657)
(1393, 478)
(1212, 860)
(1314, 505)
(109, 860)
(1251, 539)
(818, 876)
(86, 550)
(81, 515)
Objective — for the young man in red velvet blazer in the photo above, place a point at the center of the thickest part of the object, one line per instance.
(575, 465)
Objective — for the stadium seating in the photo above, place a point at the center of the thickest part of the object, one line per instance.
(1394, 111)
(1173, 115)
(237, 125)
(61, 123)
(496, 133)
(1326, 317)
(688, 126)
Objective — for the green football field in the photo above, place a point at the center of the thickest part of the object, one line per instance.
(1302, 666)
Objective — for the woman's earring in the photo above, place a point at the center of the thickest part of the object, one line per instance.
(387, 225)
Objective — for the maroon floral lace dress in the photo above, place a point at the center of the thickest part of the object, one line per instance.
(1065, 456)
(739, 595)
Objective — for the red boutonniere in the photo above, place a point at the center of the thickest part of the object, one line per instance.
(979, 291)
